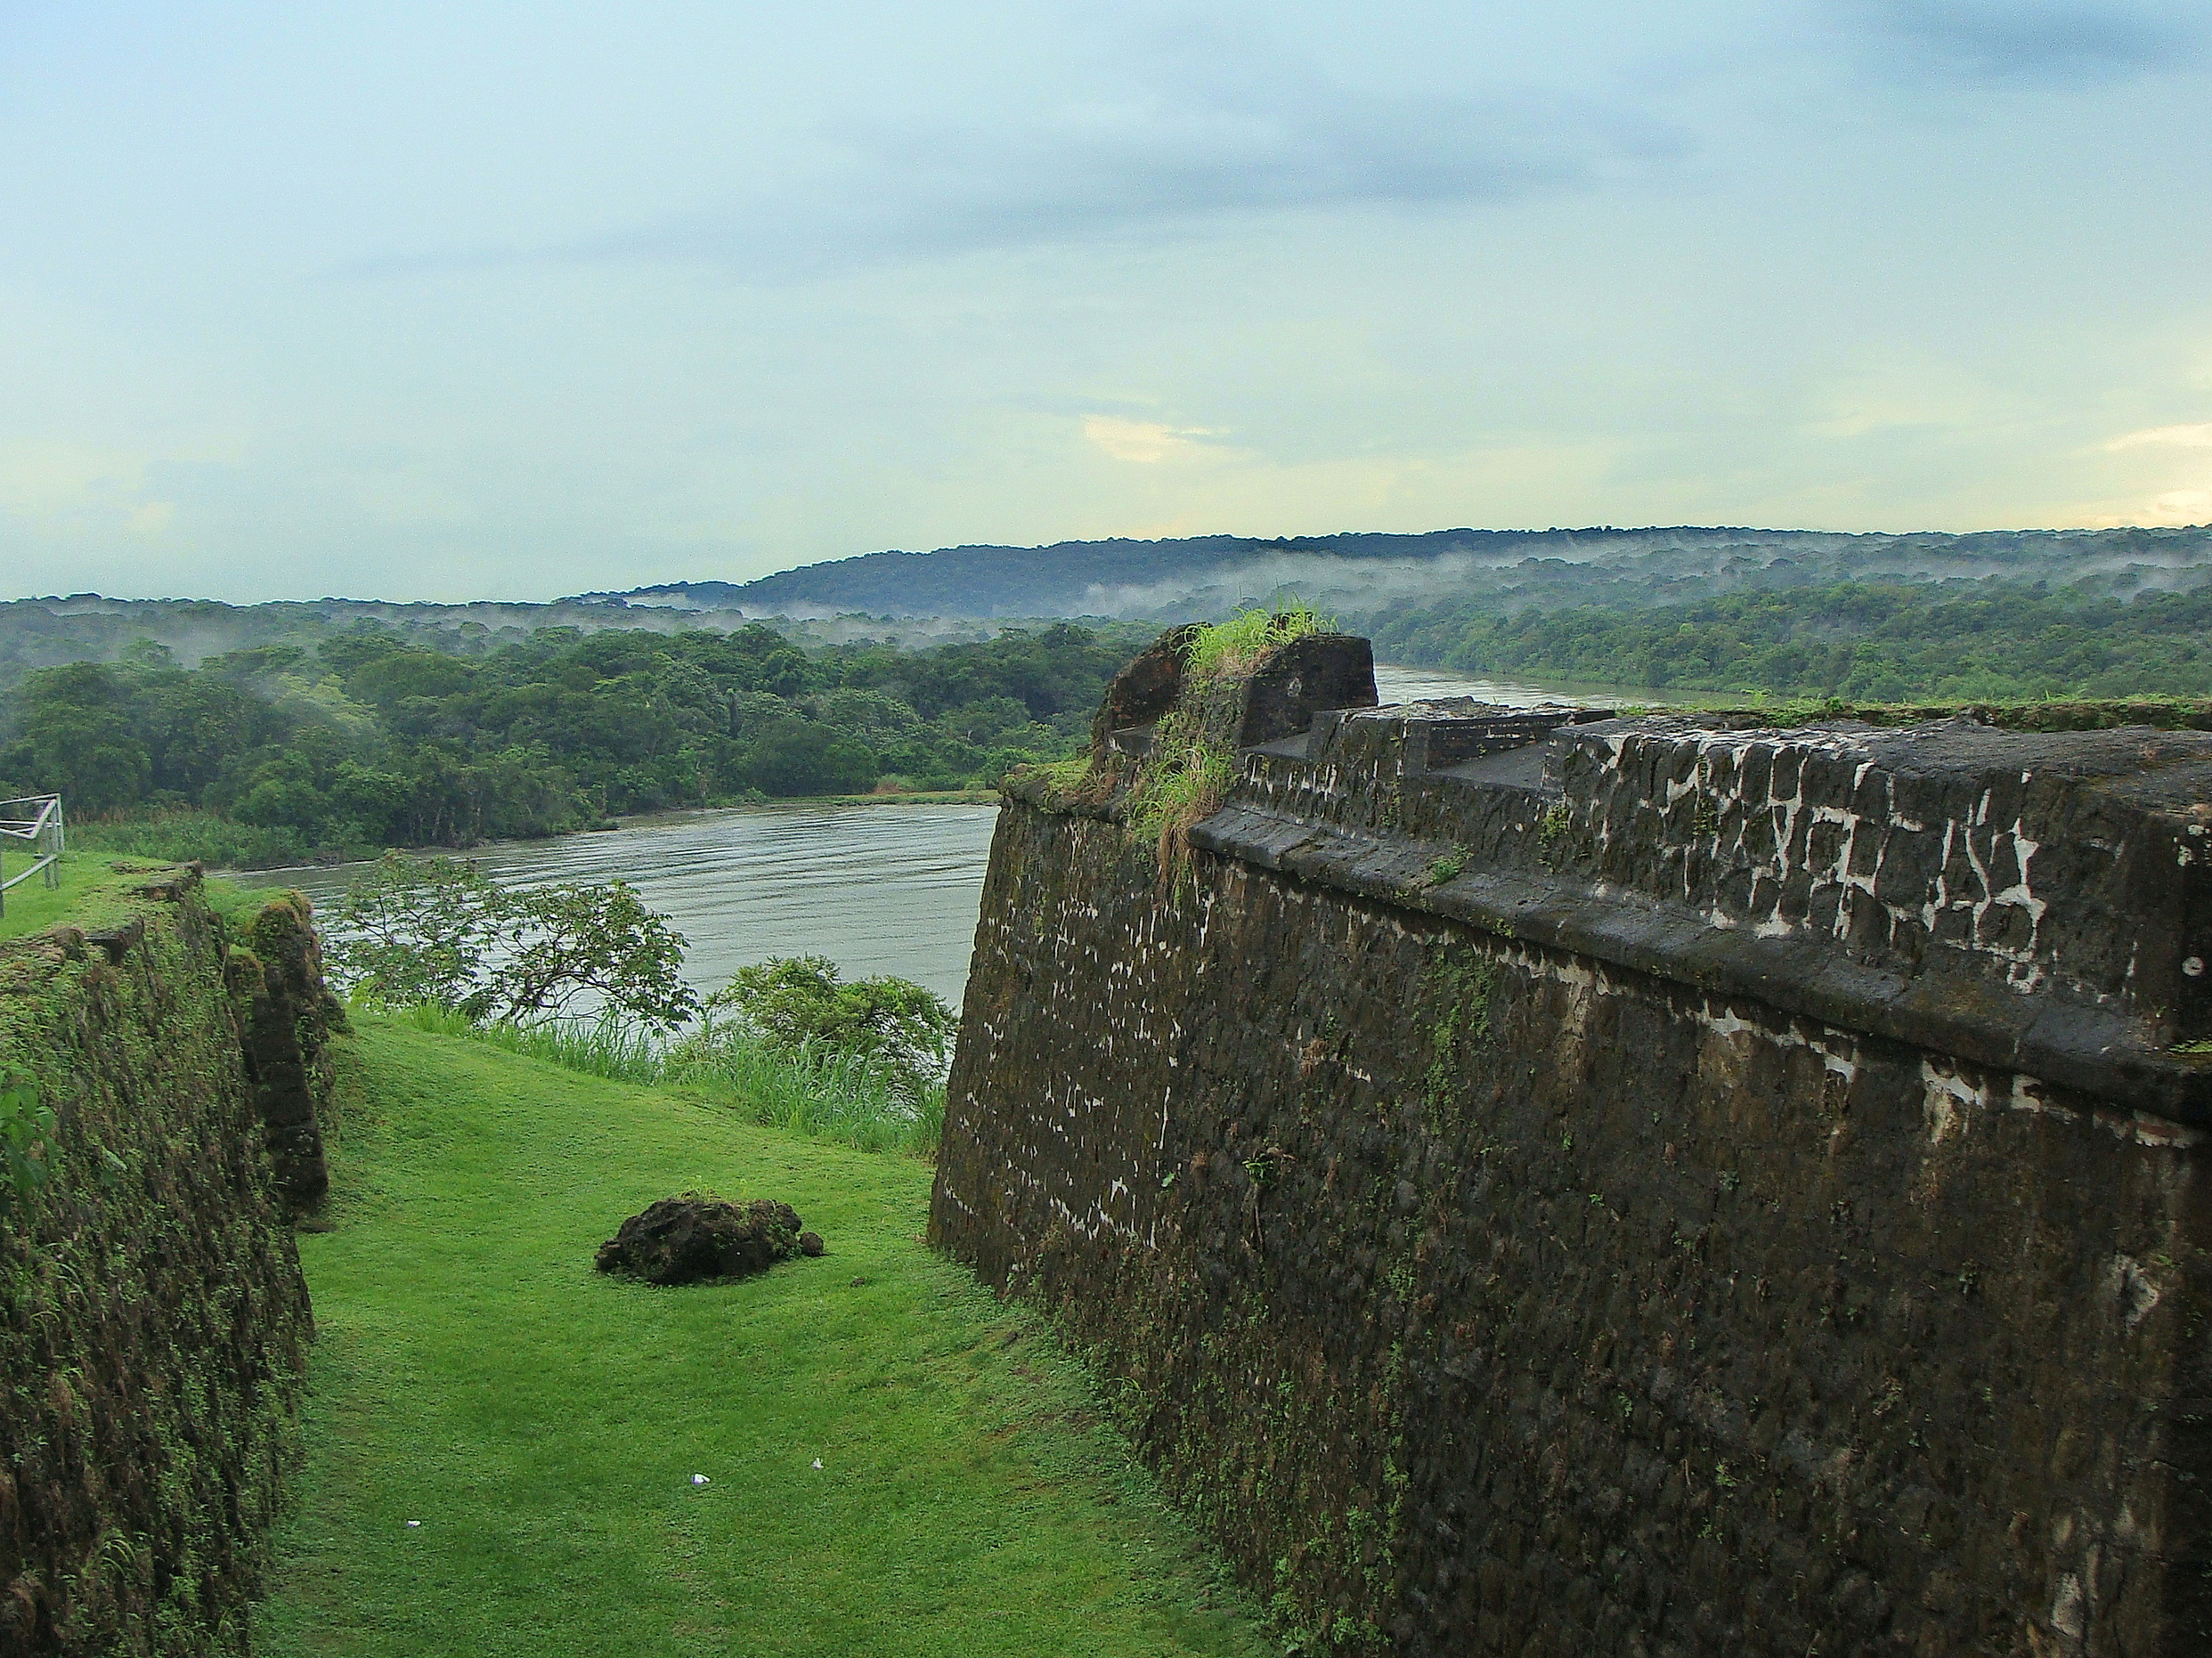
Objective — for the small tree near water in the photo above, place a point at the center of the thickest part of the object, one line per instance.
(439, 931)
(798, 1006)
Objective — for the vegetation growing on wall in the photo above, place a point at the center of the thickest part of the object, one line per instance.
(1182, 781)
(1190, 765)
(1457, 985)
(152, 1317)
(26, 1125)
(1188, 773)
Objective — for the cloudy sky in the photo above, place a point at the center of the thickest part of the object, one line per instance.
(472, 300)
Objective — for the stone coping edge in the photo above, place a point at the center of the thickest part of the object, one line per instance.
(2087, 1050)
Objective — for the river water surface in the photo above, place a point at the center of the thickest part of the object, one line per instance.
(878, 888)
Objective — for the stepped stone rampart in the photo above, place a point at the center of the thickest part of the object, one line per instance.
(1550, 1183)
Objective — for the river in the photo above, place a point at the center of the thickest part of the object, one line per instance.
(878, 888)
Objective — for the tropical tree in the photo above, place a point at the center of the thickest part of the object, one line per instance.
(440, 932)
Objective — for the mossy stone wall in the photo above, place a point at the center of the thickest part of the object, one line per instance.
(153, 1320)
(286, 1015)
(1486, 1297)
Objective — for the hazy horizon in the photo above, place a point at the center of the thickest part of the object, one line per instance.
(403, 303)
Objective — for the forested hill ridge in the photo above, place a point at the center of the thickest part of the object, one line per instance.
(961, 594)
(89, 627)
(1356, 575)
(1988, 641)
(252, 735)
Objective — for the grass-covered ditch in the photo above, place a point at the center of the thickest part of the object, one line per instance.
(543, 1423)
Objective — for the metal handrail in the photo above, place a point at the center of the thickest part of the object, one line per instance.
(46, 862)
(44, 830)
(49, 809)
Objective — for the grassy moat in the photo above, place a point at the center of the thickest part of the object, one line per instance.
(543, 1423)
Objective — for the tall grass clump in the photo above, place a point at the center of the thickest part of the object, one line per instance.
(1186, 782)
(840, 1097)
(185, 835)
(1237, 645)
(821, 1093)
(598, 1048)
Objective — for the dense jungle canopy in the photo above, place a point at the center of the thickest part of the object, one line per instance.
(367, 740)
(1964, 641)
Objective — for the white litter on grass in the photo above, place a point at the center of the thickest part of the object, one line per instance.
(818, 1462)
(698, 1479)
(414, 1522)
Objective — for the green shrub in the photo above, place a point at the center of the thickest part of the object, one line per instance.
(796, 1006)
(440, 932)
(27, 1128)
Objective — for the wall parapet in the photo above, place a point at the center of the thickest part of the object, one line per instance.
(2036, 900)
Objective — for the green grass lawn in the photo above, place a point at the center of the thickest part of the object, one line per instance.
(543, 1423)
(92, 892)
(31, 906)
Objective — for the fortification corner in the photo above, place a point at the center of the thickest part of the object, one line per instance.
(1556, 1183)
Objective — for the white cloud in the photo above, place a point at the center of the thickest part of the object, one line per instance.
(2165, 437)
(51, 479)
(1148, 443)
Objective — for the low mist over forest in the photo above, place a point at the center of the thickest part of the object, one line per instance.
(967, 593)
(279, 732)
(1360, 575)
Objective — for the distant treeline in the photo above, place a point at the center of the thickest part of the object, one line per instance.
(377, 738)
(367, 740)
(1987, 641)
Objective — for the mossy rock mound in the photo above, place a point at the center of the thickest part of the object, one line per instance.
(697, 1239)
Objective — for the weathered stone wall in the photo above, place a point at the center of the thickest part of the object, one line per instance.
(1591, 1197)
(286, 1015)
(153, 1320)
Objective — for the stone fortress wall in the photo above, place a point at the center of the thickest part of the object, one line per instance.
(1546, 1183)
(154, 1322)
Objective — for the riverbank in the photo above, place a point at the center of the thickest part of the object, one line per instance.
(877, 891)
(181, 833)
(182, 836)
(916, 797)
(542, 1423)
